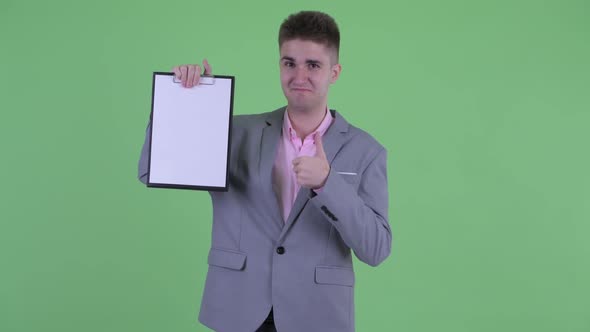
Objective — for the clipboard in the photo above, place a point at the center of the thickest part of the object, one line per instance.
(190, 133)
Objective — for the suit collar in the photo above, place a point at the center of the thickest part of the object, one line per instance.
(275, 118)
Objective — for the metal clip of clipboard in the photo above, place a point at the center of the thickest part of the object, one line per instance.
(205, 80)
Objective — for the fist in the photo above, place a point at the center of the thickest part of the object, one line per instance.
(312, 172)
(189, 75)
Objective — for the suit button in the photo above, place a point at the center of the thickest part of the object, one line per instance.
(280, 250)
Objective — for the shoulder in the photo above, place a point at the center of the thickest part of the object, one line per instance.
(254, 121)
(245, 121)
(360, 140)
(362, 137)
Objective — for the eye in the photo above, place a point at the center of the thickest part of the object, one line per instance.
(289, 64)
(313, 66)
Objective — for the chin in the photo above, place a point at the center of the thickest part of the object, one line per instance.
(298, 102)
(298, 105)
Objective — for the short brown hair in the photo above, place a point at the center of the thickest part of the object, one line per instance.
(311, 25)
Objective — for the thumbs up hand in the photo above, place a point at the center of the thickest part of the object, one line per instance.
(312, 172)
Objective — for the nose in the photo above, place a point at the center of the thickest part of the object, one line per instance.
(300, 74)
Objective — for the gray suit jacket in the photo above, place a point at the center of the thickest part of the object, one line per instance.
(301, 267)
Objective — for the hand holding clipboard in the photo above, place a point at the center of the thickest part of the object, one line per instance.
(190, 75)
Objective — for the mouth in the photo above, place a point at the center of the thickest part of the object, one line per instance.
(301, 89)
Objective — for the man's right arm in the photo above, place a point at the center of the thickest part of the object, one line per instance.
(142, 168)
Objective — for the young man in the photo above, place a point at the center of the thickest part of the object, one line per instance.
(305, 188)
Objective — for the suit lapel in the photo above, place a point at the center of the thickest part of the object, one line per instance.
(335, 136)
(271, 135)
(333, 140)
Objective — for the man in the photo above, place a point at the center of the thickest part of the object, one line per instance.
(305, 188)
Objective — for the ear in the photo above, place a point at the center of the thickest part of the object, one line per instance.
(336, 69)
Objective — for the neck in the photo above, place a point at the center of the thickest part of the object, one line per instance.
(306, 121)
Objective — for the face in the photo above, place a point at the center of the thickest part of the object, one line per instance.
(307, 70)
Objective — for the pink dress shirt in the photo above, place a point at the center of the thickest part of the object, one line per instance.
(290, 147)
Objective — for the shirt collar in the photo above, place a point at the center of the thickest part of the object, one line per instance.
(322, 128)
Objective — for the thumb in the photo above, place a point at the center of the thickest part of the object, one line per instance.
(207, 66)
(319, 146)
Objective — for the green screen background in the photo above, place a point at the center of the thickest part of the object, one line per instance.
(483, 106)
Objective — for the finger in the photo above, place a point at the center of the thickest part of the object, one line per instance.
(191, 76)
(207, 66)
(319, 146)
(299, 178)
(183, 74)
(302, 180)
(197, 75)
(177, 73)
(299, 161)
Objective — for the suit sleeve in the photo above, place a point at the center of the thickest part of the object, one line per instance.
(142, 167)
(360, 217)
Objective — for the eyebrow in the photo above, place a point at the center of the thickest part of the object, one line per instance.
(308, 61)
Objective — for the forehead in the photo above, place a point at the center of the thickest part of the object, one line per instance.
(299, 49)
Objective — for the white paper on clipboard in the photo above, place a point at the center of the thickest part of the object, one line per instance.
(190, 133)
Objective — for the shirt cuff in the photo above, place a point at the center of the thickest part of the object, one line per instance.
(318, 190)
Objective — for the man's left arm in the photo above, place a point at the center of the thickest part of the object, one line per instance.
(360, 217)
